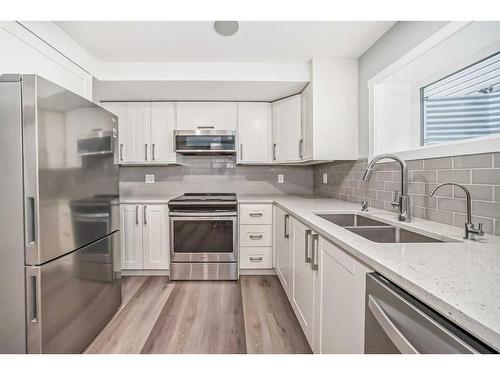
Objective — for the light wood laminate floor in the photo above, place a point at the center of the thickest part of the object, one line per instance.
(252, 315)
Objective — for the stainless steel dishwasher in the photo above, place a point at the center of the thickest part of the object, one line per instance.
(396, 322)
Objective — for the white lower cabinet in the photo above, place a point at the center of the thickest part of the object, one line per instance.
(304, 277)
(340, 301)
(283, 246)
(256, 236)
(324, 284)
(144, 236)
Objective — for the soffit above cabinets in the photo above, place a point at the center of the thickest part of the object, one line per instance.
(195, 90)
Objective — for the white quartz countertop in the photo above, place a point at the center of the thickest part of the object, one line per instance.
(459, 279)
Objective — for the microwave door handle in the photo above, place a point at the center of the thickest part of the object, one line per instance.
(398, 339)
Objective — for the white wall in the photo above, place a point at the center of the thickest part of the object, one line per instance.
(400, 38)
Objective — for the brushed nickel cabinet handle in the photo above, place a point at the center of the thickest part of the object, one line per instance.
(255, 214)
(121, 151)
(274, 151)
(306, 245)
(285, 226)
(144, 213)
(136, 215)
(206, 127)
(241, 151)
(255, 236)
(314, 262)
(301, 147)
(153, 152)
(256, 259)
(146, 151)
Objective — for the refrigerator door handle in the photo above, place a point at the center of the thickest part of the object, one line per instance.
(33, 317)
(30, 221)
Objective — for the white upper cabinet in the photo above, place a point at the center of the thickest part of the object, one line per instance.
(307, 123)
(287, 131)
(254, 132)
(206, 115)
(162, 132)
(137, 132)
(145, 132)
(333, 106)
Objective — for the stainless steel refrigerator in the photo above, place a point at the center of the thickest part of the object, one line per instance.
(59, 218)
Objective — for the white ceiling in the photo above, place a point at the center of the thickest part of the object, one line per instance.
(196, 41)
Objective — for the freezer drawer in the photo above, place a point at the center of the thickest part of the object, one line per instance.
(396, 322)
(70, 299)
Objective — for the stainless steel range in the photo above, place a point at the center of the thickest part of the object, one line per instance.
(204, 237)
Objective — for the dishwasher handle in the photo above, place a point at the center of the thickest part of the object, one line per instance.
(399, 340)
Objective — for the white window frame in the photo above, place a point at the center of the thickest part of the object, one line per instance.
(468, 146)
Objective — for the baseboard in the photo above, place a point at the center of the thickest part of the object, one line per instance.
(145, 273)
(257, 272)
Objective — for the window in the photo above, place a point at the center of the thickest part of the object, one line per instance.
(463, 105)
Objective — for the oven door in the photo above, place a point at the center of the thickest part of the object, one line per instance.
(203, 239)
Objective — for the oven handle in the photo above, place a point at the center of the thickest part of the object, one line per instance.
(203, 214)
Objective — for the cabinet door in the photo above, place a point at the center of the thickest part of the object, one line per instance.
(255, 132)
(303, 279)
(206, 115)
(340, 307)
(287, 129)
(162, 132)
(137, 133)
(307, 123)
(283, 249)
(131, 236)
(119, 109)
(155, 237)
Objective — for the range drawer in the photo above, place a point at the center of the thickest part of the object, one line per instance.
(256, 235)
(256, 214)
(256, 257)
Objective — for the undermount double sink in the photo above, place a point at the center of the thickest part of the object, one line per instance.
(375, 230)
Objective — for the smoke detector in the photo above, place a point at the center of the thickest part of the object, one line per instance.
(226, 28)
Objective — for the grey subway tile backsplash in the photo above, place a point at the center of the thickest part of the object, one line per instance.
(439, 163)
(486, 176)
(479, 173)
(459, 176)
(473, 161)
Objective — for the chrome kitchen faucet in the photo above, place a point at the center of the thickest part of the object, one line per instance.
(470, 230)
(401, 201)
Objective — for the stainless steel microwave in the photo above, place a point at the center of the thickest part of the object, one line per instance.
(205, 141)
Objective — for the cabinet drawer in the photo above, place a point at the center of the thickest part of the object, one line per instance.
(256, 214)
(256, 235)
(256, 257)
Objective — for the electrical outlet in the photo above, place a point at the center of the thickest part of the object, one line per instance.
(325, 178)
(149, 179)
(281, 179)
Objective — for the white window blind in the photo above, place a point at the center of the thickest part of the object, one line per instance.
(463, 105)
